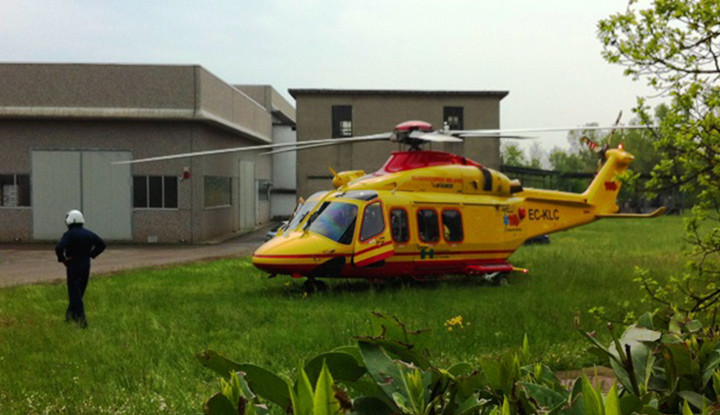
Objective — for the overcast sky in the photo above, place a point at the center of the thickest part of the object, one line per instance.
(546, 53)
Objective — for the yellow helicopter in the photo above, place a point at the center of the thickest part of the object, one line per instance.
(430, 213)
(427, 213)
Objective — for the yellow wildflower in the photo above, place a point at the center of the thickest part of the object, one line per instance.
(456, 321)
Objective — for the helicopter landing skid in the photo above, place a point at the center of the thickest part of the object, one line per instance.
(311, 285)
(496, 278)
(488, 269)
(495, 274)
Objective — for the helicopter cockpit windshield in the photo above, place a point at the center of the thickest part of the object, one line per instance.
(303, 209)
(335, 221)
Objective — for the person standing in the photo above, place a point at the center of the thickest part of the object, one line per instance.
(77, 246)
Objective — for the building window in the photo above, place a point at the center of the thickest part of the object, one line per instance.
(373, 222)
(342, 121)
(428, 225)
(218, 191)
(452, 225)
(14, 190)
(399, 225)
(453, 116)
(155, 192)
(263, 190)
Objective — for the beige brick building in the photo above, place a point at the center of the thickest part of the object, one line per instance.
(325, 113)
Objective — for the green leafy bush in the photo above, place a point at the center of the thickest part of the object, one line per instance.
(664, 364)
(389, 374)
(673, 371)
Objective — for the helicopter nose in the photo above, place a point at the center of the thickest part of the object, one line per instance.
(297, 254)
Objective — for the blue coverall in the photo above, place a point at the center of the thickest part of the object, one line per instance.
(75, 249)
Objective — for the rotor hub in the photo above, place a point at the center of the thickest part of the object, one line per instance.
(403, 133)
(408, 126)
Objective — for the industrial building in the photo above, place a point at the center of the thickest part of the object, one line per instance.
(61, 126)
(323, 113)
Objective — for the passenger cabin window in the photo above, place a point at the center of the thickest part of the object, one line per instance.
(373, 222)
(452, 225)
(399, 225)
(428, 225)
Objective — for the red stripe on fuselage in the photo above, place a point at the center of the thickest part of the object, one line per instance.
(376, 247)
(303, 256)
(509, 251)
(374, 259)
(389, 269)
(372, 248)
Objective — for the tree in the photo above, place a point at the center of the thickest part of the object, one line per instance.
(513, 155)
(566, 161)
(673, 45)
(536, 155)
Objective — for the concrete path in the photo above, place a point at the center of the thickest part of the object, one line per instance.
(34, 263)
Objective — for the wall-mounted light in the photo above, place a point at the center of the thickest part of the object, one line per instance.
(185, 173)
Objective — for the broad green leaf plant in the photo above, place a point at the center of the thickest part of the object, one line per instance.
(387, 374)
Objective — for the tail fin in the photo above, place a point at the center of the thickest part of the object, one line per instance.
(603, 191)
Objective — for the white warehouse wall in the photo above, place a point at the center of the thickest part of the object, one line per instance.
(284, 181)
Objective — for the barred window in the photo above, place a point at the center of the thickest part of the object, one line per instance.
(155, 192)
(342, 121)
(453, 116)
(14, 190)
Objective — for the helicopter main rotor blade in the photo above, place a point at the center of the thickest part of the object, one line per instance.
(372, 137)
(504, 136)
(480, 133)
(302, 146)
(434, 137)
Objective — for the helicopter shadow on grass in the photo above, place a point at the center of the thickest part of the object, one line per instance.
(335, 287)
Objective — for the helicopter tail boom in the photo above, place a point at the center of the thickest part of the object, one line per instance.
(550, 211)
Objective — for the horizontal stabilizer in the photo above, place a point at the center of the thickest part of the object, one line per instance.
(660, 211)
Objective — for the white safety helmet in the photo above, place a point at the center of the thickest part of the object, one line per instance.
(74, 217)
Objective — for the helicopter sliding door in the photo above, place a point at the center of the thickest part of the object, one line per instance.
(374, 242)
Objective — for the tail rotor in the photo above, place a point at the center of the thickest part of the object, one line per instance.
(598, 149)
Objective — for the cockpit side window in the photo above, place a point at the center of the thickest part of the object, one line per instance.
(373, 222)
(399, 225)
(428, 229)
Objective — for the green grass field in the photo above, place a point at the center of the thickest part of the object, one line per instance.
(137, 356)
